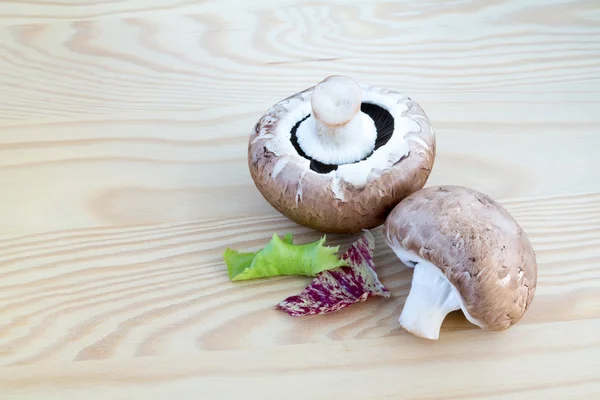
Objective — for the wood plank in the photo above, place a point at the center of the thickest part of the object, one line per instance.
(124, 173)
(257, 54)
(157, 290)
(527, 362)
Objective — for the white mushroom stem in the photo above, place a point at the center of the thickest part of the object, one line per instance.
(338, 132)
(430, 299)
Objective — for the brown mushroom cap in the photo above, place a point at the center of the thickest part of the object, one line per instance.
(338, 201)
(478, 246)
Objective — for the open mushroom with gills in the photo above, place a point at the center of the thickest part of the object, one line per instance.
(468, 253)
(337, 157)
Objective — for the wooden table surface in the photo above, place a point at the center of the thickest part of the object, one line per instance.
(123, 177)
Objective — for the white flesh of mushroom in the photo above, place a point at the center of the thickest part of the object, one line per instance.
(337, 132)
(430, 299)
(338, 145)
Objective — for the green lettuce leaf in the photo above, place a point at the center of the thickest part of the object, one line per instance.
(282, 257)
(237, 262)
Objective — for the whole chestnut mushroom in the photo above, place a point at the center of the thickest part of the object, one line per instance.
(468, 253)
(337, 157)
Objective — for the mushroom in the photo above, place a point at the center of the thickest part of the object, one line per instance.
(337, 157)
(468, 253)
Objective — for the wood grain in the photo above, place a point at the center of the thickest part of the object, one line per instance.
(123, 177)
(162, 291)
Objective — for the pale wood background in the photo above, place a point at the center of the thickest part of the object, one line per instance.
(123, 133)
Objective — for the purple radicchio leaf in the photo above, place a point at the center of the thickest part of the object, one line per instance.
(341, 287)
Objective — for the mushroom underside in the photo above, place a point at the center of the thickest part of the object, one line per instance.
(431, 298)
(384, 128)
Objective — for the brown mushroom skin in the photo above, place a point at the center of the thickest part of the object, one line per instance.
(476, 243)
(319, 209)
